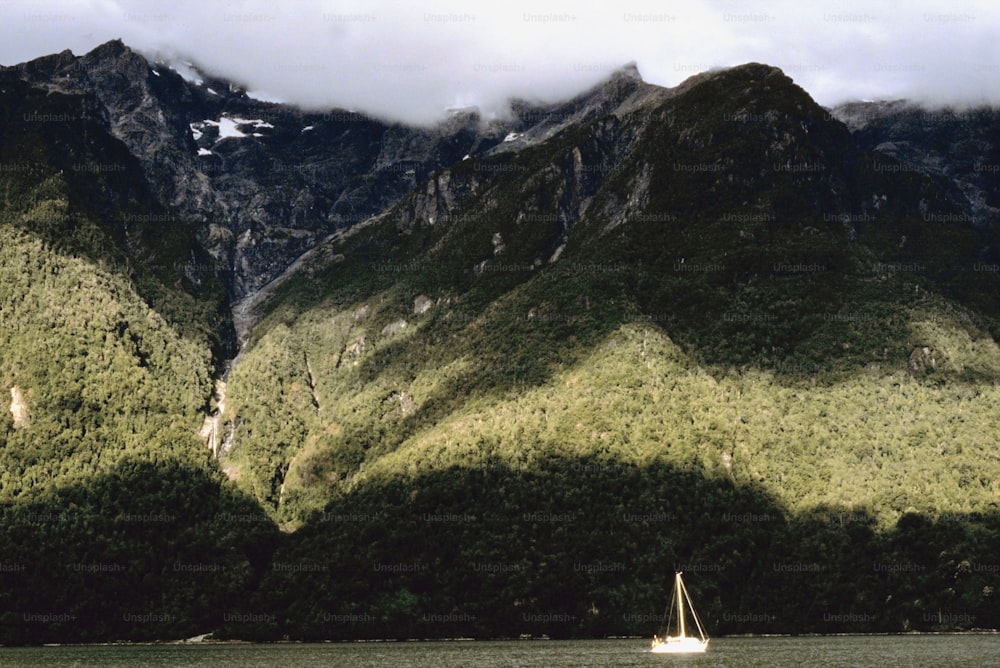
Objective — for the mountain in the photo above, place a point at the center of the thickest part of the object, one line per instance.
(493, 378)
(707, 329)
(960, 146)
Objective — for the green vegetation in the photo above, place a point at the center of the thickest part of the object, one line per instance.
(115, 523)
(730, 349)
(688, 333)
(766, 485)
(883, 438)
(99, 374)
(586, 546)
(590, 368)
(154, 547)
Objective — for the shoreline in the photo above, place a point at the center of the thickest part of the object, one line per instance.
(743, 636)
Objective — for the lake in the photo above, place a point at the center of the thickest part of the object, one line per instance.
(954, 651)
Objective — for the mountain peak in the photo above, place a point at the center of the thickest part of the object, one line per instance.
(755, 70)
(112, 48)
(629, 70)
(747, 73)
(116, 50)
(622, 83)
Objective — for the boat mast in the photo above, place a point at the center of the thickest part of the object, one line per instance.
(680, 601)
(701, 630)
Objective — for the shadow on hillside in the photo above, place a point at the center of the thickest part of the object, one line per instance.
(148, 551)
(809, 339)
(587, 547)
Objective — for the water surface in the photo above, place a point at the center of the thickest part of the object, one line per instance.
(953, 651)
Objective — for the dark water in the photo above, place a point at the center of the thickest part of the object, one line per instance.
(952, 651)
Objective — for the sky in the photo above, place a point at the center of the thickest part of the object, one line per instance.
(411, 61)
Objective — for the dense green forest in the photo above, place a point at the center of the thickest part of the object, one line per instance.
(530, 460)
(654, 341)
(115, 522)
(103, 347)
(798, 410)
(517, 401)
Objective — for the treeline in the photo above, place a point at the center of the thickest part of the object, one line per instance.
(149, 549)
(98, 373)
(587, 547)
(572, 547)
(114, 521)
(562, 365)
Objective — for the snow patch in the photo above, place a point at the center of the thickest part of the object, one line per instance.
(512, 136)
(255, 122)
(155, 72)
(308, 128)
(204, 151)
(196, 130)
(187, 71)
(212, 91)
(264, 97)
(230, 127)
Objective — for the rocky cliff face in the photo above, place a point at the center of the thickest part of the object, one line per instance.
(18, 407)
(260, 183)
(958, 147)
(253, 185)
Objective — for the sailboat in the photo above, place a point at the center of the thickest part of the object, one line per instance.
(681, 643)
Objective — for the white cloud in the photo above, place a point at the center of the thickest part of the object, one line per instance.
(410, 63)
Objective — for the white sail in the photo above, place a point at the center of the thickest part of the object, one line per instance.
(681, 643)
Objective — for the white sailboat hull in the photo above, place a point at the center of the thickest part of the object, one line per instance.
(686, 645)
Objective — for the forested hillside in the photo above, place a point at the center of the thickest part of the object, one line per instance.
(783, 370)
(111, 508)
(703, 328)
